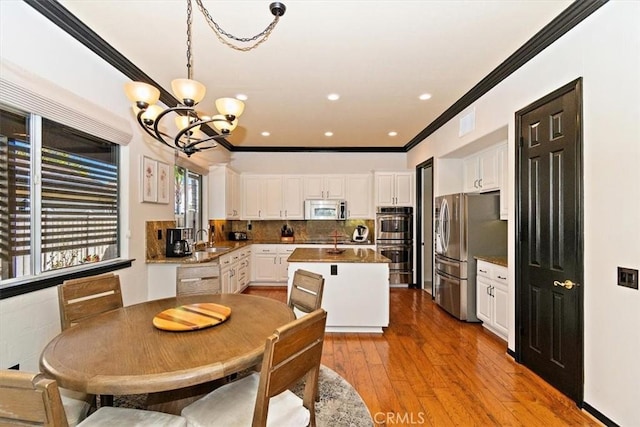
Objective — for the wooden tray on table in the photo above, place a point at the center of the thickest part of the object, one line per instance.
(191, 317)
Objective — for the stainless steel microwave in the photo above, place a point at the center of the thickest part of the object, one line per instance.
(325, 209)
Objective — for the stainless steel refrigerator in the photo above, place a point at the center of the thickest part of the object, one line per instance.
(466, 225)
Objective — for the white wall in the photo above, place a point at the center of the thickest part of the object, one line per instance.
(318, 163)
(604, 50)
(29, 40)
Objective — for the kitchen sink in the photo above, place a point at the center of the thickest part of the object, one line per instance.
(216, 249)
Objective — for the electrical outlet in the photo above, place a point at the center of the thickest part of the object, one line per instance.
(159, 234)
(334, 270)
(628, 277)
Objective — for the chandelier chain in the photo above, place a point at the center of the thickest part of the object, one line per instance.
(220, 33)
(189, 22)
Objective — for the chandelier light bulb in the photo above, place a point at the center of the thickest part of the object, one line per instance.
(189, 91)
(185, 121)
(223, 125)
(230, 107)
(141, 93)
(151, 113)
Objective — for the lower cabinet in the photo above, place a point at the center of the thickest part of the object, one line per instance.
(492, 297)
(235, 270)
(270, 263)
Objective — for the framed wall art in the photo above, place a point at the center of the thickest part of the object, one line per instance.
(149, 180)
(164, 182)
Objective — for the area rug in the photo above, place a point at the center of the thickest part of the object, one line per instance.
(340, 404)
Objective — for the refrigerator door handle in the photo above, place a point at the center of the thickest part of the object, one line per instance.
(443, 261)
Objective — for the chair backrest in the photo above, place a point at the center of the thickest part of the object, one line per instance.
(292, 353)
(306, 291)
(30, 399)
(82, 298)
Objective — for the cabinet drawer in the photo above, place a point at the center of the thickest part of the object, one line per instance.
(499, 274)
(265, 249)
(483, 269)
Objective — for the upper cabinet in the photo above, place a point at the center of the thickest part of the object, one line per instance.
(272, 197)
(224, 193)
(359, 196)
(503, 171)
(481, 171)
(324, 187)
(293, 197)
(394, 188)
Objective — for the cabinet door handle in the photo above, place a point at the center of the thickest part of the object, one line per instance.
(488, 290)
(484, 271)
(259, 213)
(503, 278)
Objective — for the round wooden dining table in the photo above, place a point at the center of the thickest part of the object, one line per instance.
(121, 352)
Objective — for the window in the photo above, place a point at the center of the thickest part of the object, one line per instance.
(188, 201)
(58, 197)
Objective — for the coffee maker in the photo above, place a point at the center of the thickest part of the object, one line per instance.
(177, 243)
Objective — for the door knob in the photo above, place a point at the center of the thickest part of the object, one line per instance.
(567, 284)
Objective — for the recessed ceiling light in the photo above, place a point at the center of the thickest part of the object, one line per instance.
(265, 133)
(393, 133)
(328, 134)
(425, 96)
(242, 97)
(333, 97)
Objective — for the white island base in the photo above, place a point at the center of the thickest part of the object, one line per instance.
(356, 297)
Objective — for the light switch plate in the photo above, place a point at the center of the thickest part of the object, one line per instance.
(628, 277)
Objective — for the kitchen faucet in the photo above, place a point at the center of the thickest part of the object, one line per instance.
(201, 241)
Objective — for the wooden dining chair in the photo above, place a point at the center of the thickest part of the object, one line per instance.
(306, 292)
(30, 398)
(292, 353)
(80, 299)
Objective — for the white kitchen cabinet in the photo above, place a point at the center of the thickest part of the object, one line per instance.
(324, 187)
(272, 197)
(359, 196)
(262, 195)
(504, 180)
(264, 263)
(235, 270)
(224, 193)
(492, 297)
(269, 263)
(244, 269)
(394, 188)
(293, 197)
(481, 171)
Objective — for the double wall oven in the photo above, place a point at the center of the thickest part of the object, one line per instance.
(394, 240)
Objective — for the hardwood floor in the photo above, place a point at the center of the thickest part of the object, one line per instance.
(428, 368)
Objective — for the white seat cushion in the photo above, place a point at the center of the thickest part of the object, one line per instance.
(232, 406)
(108, 416)
(75, 405)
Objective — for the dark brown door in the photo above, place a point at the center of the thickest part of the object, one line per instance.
(549, 267)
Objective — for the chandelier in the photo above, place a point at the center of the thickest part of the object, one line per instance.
(191, 138)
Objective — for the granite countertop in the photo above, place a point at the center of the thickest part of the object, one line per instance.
(213, 256)
(499, 260)
(356, 255)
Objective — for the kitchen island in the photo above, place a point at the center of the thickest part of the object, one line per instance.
(356, 286)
